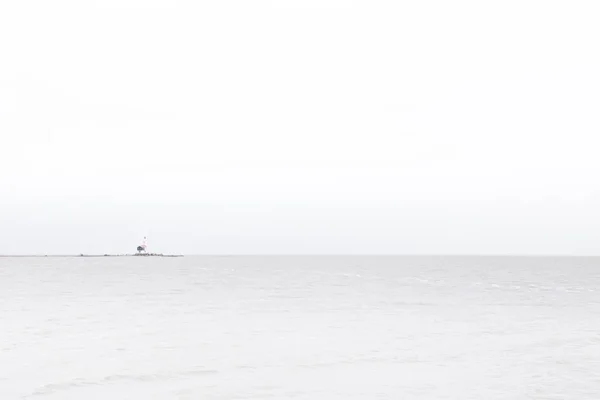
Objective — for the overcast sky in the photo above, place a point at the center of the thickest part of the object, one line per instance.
(300, 126)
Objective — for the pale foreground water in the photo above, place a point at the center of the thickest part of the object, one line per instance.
(300, 328)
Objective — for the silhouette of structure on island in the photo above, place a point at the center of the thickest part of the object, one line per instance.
(142, 247)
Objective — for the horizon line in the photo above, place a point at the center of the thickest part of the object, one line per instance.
(301, 255)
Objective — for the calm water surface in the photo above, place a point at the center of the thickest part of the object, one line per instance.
(300, 328)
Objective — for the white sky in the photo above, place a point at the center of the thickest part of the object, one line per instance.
(300, 126)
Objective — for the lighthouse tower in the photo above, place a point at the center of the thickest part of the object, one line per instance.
(142, 247)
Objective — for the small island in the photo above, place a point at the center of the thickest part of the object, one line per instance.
(141, 252)
(128, 255)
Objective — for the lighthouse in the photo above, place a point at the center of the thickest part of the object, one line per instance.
(142, 247)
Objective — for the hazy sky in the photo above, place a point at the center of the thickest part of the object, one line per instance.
(300, 126)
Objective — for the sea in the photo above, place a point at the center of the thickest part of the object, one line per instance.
(300, 327)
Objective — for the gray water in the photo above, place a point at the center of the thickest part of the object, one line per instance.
(300, 328)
